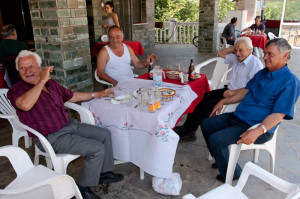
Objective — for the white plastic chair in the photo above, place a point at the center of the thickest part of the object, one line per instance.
(35, 182)
(227, 191)
(105, 82)
(235, 150)
(100, 80)
(7, 112)
(222, 43)
(218, 75)
(271, 35)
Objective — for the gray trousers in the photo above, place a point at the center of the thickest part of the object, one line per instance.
(91, 142)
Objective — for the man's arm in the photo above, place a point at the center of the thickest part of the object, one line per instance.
(269, 122)
(28, 99)
(102, 60)
(138, 63)
(225, 51)
(81, 96)
(237, 97)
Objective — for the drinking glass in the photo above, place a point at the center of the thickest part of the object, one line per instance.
(177, 67)
(111, 91)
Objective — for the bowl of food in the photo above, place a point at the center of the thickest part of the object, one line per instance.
(172, 74)
(167, 94)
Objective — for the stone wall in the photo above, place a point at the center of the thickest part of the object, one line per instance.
(145, 32)
(62, 40)
(208, 25)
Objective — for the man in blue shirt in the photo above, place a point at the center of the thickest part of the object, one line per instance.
(229, 30)
(268, 97)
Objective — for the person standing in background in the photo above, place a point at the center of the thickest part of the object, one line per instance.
(112, 16)
(9, 49)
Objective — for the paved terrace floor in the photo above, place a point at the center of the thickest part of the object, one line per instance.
(191, 158)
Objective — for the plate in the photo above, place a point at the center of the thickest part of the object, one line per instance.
(121, 99)
(196, 76)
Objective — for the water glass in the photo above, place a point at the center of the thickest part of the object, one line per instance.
(177, 67)
(185, 78)
(111, 91)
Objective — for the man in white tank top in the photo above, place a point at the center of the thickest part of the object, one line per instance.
(113, 61)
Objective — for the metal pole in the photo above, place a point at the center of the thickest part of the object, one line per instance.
(282, 16)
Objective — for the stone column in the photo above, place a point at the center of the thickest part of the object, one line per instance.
(62, 40)
(208, 25)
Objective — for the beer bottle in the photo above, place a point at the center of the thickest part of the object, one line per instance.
(150, 76)
(191, 70)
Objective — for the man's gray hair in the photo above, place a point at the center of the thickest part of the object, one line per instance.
(26, 53)
(7, 30)
(282, 44)
(247, 41)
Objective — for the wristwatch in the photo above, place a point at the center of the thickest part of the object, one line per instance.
(264, 128)
(93, 95)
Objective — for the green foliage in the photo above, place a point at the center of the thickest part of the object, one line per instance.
(186, 10)
(224, 6)
(274, 10)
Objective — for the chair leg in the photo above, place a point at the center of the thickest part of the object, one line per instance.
(235, 150)
(27, 141)
(255, 156)
(142, 174)
(209, 156)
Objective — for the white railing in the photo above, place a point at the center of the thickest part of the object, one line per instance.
(177, 32)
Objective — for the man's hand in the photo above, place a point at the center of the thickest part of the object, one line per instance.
(45, 74)
(153, 57)
(228, 93)
(250, 136)
(217, 109)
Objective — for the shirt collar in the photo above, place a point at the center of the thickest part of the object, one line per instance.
(247, 60)
(277, 73)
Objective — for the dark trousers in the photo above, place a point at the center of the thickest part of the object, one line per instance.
(204, 108)
(221, 131)
(230, 41)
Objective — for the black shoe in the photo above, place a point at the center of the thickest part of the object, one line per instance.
(214, 166)
(188, 135)
(110, 177)
(219, 178)
(88, 194)
(180, 129)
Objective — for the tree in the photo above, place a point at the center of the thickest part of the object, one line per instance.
(186, 10)
(274, 10)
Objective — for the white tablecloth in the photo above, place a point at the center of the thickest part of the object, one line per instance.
(145, 139)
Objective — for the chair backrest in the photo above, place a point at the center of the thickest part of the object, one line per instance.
(222, 42)
(101, 81)
(271, 35)
(219, 71)
(252, 169)
(18, 158)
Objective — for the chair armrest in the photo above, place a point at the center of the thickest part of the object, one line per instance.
(199, 66)
(7, 116)
(101, 81)
(252, 169)
(85, 115)
(46, 145)
(48, 181)
(18, 158)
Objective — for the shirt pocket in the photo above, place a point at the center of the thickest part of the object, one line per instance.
(263, 93)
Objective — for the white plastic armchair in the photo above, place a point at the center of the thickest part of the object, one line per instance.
(35, 182)
(8, 112)
(227, 191)
(271, 35)
(59, 161)
(235, 150)
(100, 80)
(218, 75)
(105, 82)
